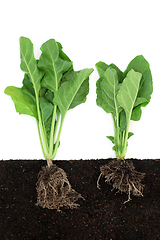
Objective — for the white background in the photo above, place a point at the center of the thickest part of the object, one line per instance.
(90, 31)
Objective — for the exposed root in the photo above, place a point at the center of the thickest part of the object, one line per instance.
(123, 176)
(98, 186)
(54, 190)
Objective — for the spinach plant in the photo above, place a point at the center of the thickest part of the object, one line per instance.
(123, 94)
(50, 88)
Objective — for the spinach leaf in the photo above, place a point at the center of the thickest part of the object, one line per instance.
(24, 103)
(68, 91)
(107, 88)
(139, 64)
(128, 91)
(29, 63)
(52, 64)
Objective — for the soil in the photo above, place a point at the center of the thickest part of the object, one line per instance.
(101, 216)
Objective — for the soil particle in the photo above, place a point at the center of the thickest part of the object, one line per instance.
(102, 216)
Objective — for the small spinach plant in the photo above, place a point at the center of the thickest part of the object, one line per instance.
(123, 94)
(50, 88)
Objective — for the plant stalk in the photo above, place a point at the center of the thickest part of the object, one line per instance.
(49, 162)
(51, 141)
(39, 133)
(45, 144)
(58, 138)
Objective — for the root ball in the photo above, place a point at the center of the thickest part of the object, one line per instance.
(54, 190)
(122, 175)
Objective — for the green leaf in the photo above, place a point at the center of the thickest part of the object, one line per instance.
(28, 86)
(24, 104)
(111, 138)
(80, 96)
(146, 88)
(49, 96)
(101, 68)
(46, 108)
(107, 89)
(68, 90)
(128, 92)
(29, 63)
(130, 134)
(119, 72)
(114, 148)
(52, 64)
(140, 64)
(136, 113)
(63, 56)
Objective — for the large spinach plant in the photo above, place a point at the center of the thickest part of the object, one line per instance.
(123, 94)
(50, 88)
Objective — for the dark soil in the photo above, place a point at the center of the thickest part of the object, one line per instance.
(101, 216)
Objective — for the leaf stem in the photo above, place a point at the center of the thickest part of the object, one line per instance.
(57, 123)
(40, 139)
(45, 144)
(125, 139)
(114, 122)
(58, 137)
(51, 141)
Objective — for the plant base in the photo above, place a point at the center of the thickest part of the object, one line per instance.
(54, 190)
(123, 176)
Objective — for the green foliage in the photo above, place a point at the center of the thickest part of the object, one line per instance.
(50, 88)
(123, 95)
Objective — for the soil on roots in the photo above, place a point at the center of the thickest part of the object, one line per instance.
(54, 190)
(122, 175)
